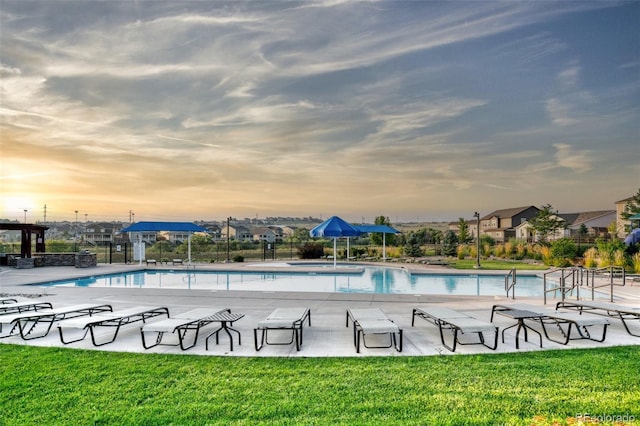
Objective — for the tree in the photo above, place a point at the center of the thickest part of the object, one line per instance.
(450, 243)
(582, 232)
(412, 247)
(631, 207)
(546, 223)
(463, 231)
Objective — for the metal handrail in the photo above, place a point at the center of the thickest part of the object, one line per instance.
(562, 287)
(510, 286)
(613, 272)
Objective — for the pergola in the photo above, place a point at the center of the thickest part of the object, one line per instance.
(140, 227)
(27, 230)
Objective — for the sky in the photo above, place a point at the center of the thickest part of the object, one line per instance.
(414, 110)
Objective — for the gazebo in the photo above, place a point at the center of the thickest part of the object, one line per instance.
(140, 227)
(27, 230)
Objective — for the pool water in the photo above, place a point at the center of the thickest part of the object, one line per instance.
(367, 280)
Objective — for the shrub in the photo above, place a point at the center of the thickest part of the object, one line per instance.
(545, 254)
(619, 258)
(238, 258)
(604, 259)
(563, 251)
(311, 251)
(591, 258)
(508, 248)
(499, 250)
(635, 260)
(462, 251)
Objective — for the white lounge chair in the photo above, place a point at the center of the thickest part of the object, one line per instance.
(115, 320)
(610, 310)
(24, 306)
(26, 322)
(180, 325)
(373, 321)
(282, 319)
(571, 320)
(459, 323)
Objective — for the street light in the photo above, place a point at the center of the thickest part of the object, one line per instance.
(75, 234)
(477, 216)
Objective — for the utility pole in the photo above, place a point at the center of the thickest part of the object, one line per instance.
(228, 239)
(477, 216)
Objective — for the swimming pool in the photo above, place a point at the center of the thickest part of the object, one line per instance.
(363, 280)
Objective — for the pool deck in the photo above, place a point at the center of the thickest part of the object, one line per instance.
(327, 335)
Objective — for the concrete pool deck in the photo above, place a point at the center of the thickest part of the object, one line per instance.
(327, 335)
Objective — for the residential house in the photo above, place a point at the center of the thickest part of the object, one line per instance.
(264, 234)
(472, 227)
(596, 223)
(237, 232)
(100, 233)
(501, 224)
(622, 225)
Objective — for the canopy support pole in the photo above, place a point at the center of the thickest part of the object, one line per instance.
(384, 246)
(335, 253)
(189, 246)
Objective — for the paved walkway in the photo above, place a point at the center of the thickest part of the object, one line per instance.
(327, 335)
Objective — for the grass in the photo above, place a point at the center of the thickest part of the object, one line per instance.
(496, 265)
(75, 387)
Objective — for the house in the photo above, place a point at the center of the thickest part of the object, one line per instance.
(501, 224)
(264, 234)
(472, 227)
(622, 225)
(596, 223)
(100, 233)
(237, 232)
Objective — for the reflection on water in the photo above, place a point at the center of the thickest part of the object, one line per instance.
(365, 280)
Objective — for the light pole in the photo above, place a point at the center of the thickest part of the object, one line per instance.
(477, 216)
(75, 236)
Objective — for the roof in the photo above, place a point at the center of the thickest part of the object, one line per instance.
(508, 212)
(383, 229)
(164, 226)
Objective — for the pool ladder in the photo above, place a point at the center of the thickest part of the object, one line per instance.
(510, 283)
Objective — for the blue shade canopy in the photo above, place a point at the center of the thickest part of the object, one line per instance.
(334, 227)
(633, 237)
(164, 226)
(382, 229)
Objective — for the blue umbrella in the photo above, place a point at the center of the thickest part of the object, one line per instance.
(633, 237)
(334, 227)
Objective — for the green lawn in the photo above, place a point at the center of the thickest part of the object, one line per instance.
(496, 265)
(75, 387)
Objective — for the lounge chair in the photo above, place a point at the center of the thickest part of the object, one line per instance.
(373, 321)
(26, 322)
(5, 300)
(180, 325)
(115, 320)
(581, 323)
(282, 319)
(31, 305)
(610, 310)
(459, 323)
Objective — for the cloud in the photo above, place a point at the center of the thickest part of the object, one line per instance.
(576, 160)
